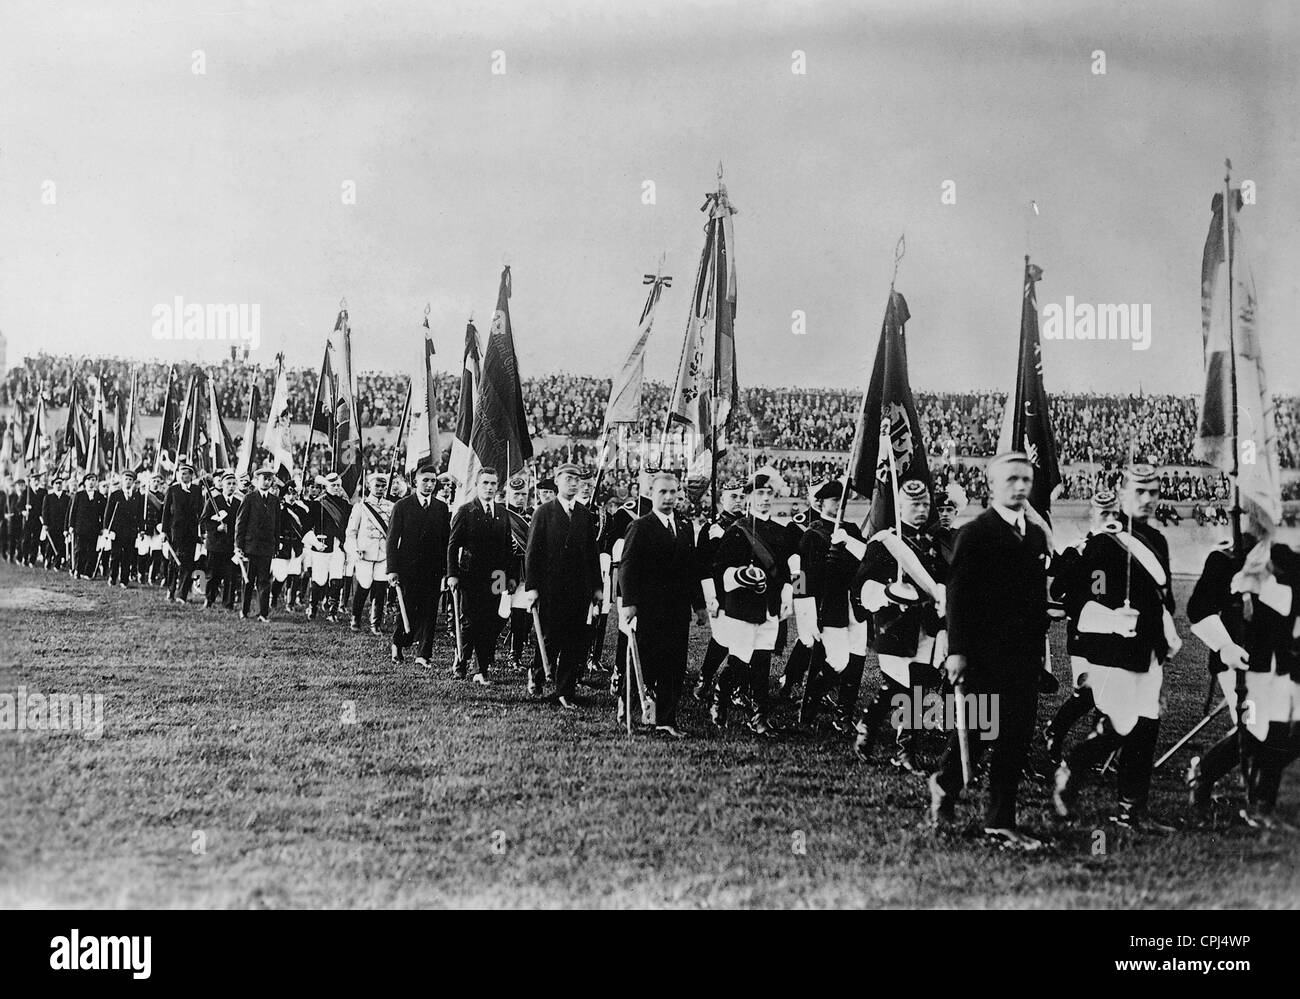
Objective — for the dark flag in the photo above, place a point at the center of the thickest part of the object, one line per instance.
(320, 423)
(463, 460)
(888, 408)
(248, 446)
(168, 438)
(1026, 423)
(500, 431)
(348, 458)
(189, 432)
(75, 436)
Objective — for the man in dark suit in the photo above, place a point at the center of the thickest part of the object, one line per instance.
(997, 621)
(479, 572)
(659, 585)
(122, 519)
(257, 534)
(219, 513)
(417, 555)
(54, 519)
(85, 520)
(34, 500)
(562, 570)
(182, 508)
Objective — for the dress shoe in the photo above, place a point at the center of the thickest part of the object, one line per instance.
(533, 688)
(758, 725)
(567, 703)
(862, 743)
(670, 731)
(481, 680)
(395, 653)
(354, 626)
(422, 662)
(374, 630)
(263, 619)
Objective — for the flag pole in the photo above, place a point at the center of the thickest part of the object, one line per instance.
(1232, 359)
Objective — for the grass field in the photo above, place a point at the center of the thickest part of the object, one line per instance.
(231, 773)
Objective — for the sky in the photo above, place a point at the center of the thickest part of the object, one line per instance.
(226, 186)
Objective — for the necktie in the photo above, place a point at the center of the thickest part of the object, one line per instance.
(672, 528)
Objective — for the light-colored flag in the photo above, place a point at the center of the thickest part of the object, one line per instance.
(278, 439)
(1257, 454)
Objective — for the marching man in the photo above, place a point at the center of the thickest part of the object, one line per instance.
(323, 546)
(731, 497)
(367, 549)
(1244, 610)
(1118, 594)
(479, 565)
(901, 583)
(753, 566)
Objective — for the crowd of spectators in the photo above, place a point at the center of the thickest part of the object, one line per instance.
(1102, 430)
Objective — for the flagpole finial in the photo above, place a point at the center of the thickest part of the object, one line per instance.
(343, 305)
(428, 308)
(900, 249)
(719, 171)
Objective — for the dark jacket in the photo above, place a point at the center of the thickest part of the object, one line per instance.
(86, 513)
(219, 533)
(122, 517)
(897, 630)
(997, 600)
(180, 517)
(417, 542)
(1267, 633)
(658, 573)
(1103, 574)
(257, 524)
(54, 513)
(828, 573)
(562, 563)
(736, 551)
(478, 548)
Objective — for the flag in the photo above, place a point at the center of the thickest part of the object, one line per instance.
(706, 382)
(34, 443)
(888, 422)
(320, 425)
(248, 446)
(75, 432)
(624, 406)
(168, 436)
(132, 444)
(97, 460)
(220, 451)
(348, 458)
(187, 428)
(420, 428)
(402, 421)
(278, 439)
(499, 437)
(1226, 332)
(1026, 421)
(464, 463)
(120, 461)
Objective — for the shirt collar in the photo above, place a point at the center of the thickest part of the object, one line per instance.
(1014, 518)
(665, 519)
(568, 504)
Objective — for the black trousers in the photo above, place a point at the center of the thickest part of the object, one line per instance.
(1016, 706)
(120, 562)
(661, 644)
(521, 630)
(598, 638)
(377, 594)
(420, 604)
(567, 645)
(259, 582)
(480, 624)
(84, 542)
(221, 578)
(180, 578)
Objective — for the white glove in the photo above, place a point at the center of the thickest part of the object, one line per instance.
(1234, 656)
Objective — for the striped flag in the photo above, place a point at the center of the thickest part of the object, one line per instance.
(1228, 328)
(464, 462)
(220, 451)
(499, 436)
